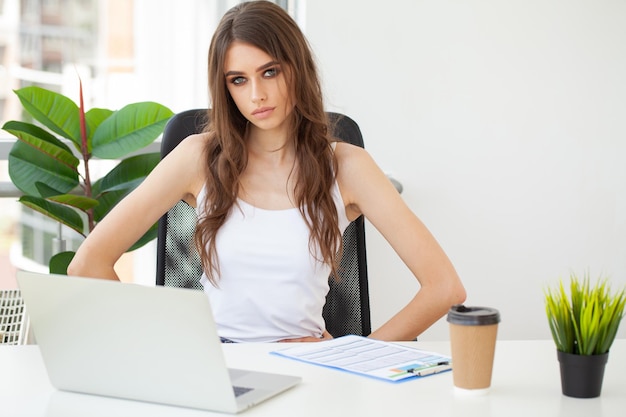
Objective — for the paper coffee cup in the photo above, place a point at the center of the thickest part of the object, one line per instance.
(473, 333)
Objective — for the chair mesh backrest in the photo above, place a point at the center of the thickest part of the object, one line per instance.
(347, 308)
(13, 318)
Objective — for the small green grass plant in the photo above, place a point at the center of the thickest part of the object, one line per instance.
(586, 321)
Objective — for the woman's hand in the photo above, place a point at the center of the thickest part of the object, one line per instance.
(325, 336)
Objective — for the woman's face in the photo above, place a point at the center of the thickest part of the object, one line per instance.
(258, 86)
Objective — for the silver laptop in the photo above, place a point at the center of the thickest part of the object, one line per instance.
(131, 341)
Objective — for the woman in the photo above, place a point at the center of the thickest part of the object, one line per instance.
(273, 192)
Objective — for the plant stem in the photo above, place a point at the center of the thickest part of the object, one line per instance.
(86, 156)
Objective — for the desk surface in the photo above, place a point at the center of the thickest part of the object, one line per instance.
(525, 382)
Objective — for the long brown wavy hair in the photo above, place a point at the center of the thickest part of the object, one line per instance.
(269, 28)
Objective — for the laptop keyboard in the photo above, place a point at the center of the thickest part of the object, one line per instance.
(241, 390)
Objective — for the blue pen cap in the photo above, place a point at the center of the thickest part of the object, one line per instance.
(473, 316)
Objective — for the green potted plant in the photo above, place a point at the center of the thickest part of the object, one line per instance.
(50, 163)
(583, 324)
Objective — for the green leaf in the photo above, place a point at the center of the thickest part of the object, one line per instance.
(29, 166)
(55, 111)
(94, 118)
(559, 319)
(129, 129)
(129, 173)
(42, 140)
(55, 211)
(59, 262)
(612, 318)
(77, 201)
(45, 191)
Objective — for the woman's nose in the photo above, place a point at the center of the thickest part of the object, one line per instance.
(257, 92)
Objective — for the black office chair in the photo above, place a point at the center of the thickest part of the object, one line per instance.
(347, 309)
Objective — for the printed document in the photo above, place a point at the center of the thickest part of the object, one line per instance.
(369, 357)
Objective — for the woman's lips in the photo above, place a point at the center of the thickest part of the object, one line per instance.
(263, 112)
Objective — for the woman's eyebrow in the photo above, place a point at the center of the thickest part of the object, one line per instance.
(259, 69)
(266, 66)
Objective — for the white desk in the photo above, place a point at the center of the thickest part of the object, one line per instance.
(526, 383)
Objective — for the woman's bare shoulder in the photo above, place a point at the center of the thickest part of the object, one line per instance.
(190, 151)
(351, 158)
(187, 163)
(195, 142)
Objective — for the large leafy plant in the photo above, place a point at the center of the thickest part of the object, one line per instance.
(50, 163)
(586, 321)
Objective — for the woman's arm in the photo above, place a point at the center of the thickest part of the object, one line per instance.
(178, 176)
(367, 190)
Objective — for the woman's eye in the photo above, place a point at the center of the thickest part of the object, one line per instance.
(272, 72)
(237, 80)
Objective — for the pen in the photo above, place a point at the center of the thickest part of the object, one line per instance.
(430, 370)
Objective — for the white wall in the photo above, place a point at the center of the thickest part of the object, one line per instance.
(505, 122)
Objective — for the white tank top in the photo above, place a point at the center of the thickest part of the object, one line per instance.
(270, 286)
